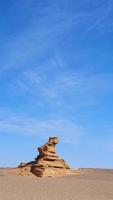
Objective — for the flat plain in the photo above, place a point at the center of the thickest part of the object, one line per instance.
(88, 185)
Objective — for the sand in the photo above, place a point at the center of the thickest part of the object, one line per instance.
(86, 186)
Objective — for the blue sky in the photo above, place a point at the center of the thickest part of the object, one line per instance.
(56, 78)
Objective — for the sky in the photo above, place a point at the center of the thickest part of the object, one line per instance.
(56, 79)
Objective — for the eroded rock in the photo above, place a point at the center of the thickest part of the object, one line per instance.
(47, 163)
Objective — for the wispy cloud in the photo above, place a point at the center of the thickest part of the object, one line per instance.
(34, 41)
(100, 16)
(64, 85)
(68, 131)
(42, 32)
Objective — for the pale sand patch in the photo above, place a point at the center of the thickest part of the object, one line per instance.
(88, 186)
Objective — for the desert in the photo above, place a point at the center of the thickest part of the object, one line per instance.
(50, 177)
(87, 185)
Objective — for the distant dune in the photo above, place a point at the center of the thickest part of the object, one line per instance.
(88, 184)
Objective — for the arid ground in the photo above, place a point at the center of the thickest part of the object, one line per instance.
(88, 185)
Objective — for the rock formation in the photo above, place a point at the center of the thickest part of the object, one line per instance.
(47, 163)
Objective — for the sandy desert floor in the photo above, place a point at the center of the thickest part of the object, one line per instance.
(87, 186)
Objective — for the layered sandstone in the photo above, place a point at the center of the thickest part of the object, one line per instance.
(47, 163)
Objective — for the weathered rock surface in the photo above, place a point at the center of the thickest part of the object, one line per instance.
(47, 163)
